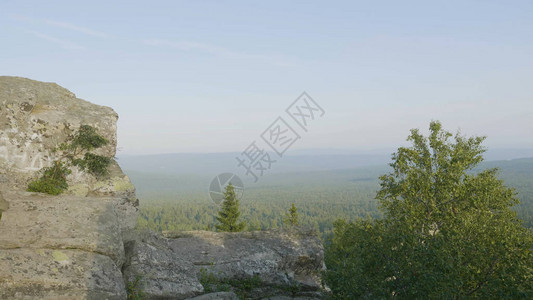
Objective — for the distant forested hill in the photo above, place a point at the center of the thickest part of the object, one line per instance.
(173, 201)
(517, 173)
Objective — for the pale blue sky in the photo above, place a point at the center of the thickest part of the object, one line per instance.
(210, 76)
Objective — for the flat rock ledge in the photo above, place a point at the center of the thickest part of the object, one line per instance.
(251, 265)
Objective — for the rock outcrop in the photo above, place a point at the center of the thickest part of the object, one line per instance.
(82, 244)
(282, 262)
(36, 117)
(67, 246)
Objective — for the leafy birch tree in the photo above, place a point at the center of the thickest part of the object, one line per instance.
(446, 232)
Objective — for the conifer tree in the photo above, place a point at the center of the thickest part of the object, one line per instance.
(291, 218)
(229, 214)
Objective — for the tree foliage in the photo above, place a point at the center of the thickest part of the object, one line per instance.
(321, 198)
(291, 218)
(78, 150)
(446, 232)
(86, 138)
(229, 214)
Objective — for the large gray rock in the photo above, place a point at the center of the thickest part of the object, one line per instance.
(58, 274)
(68, 246)
(164, 274)
(62, 222)
(36, 117)
(286, 261)
(52, 246)
(279, 257)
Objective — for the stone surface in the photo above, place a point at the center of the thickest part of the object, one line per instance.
(60, 246)
(62, 222)
(58, 274)
(4, 205)
(280, 257)
(68, 246)
(216, 296)
(165, 275)
(36, 117)
(286, 261)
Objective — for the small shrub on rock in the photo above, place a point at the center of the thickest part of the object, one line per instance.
(53, 180)
(76, 152)
(134, 288)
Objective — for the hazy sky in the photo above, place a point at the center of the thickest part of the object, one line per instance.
(211, 76)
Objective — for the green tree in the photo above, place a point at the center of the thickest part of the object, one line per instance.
(229, 214)
(291, 218)
(446, 233)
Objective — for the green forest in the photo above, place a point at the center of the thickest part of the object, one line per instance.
(436, 221)
(181, 202)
